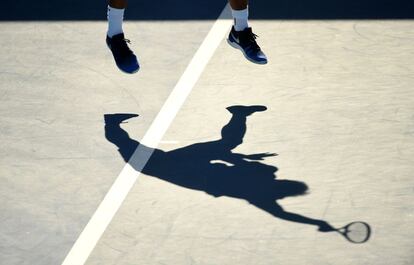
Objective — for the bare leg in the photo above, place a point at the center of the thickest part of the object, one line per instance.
(238, 4)
(120, 4)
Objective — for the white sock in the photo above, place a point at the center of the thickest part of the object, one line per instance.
(240, 19)
(115, 19)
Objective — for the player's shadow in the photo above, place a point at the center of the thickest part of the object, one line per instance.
(212, 167)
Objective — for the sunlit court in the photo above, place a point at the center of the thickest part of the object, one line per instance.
(207, 132)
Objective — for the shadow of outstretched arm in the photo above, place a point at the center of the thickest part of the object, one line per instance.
(277, 211)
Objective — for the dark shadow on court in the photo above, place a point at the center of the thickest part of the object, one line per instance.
(213, 168)
(46, 10)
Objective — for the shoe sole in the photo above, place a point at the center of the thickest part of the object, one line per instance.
(238, 47)
(130, 73)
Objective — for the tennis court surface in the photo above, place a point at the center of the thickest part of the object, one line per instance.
(243, 162)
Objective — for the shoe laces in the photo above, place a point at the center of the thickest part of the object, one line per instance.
(121, 46)
(250, 38)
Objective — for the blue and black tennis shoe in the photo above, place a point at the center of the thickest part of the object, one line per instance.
(246, 42)
(125, 59)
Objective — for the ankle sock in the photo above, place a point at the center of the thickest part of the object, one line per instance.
(240, 19)
(115, 18)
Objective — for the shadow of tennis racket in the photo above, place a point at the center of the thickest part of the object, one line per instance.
(355, 232)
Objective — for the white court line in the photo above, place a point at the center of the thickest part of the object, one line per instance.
(100, 220)
(169, 142)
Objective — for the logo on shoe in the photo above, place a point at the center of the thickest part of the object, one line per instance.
(235, 38)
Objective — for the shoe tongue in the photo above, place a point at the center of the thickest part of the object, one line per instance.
(246, 32)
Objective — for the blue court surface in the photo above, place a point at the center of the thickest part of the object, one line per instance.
(203, 157)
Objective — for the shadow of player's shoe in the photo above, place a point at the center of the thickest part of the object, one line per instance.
(245, 110)
(118, 118)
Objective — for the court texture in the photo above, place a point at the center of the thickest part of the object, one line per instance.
(202, 157)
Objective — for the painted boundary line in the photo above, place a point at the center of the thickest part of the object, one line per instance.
(100, 220)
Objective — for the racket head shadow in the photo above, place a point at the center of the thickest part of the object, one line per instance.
(356, 232)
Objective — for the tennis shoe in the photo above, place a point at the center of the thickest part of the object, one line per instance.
(246, 42)
(124, 58)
